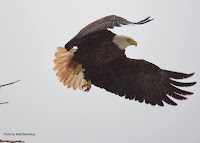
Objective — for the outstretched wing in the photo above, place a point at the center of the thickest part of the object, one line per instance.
(102, 24)
(107, 22)
(140, 80)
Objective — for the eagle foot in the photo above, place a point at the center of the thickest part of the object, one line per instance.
(87, 86)
(78, 69)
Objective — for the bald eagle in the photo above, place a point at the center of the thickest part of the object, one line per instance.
(100, 59)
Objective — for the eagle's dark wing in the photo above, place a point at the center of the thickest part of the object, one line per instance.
(107, 22)
(140, 80)
(102, 24)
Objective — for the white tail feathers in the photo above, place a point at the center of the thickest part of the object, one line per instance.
(65, 68)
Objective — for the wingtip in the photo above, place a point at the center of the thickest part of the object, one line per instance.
(149, 18)
(193, 83)
(177, 75)
(174, 104)
(191, 74)
(146, 20)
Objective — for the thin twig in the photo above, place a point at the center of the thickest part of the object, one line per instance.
(7, 141)
(8, 83)
(4, 103)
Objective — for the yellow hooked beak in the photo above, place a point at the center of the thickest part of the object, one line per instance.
(133, 42)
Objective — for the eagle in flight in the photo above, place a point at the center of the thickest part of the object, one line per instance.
(100, 59)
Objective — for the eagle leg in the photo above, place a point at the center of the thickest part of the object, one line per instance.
(87, 86)
(78, 69)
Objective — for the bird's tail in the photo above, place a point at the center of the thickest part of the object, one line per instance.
(66, 67)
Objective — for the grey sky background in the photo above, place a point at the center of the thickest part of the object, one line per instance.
(30, 32)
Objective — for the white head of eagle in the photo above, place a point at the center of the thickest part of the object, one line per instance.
(123, 41)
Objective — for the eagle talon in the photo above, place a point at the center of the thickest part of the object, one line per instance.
(87, 86)
(86, 90)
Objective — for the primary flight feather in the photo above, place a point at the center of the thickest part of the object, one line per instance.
(100, 60)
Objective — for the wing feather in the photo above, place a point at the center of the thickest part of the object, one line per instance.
(103, 24)
(142, 81)
(65, 68)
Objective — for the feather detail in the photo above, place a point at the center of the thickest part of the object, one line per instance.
(81, 83)
(65, 67)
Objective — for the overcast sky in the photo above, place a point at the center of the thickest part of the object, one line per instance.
(30, 32)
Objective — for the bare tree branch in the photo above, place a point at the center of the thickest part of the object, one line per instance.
(9, 141)
(4, 103)
(8, 83)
